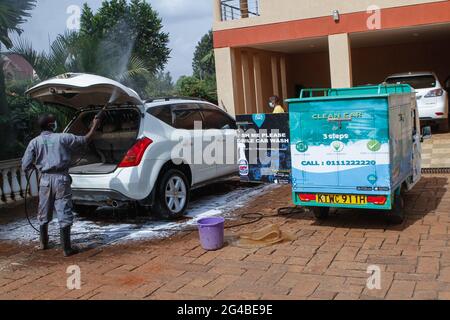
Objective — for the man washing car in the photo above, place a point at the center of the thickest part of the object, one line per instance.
(50, 153)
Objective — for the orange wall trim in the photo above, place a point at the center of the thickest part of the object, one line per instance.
(391, 18)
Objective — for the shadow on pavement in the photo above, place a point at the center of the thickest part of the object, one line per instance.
(423, 200)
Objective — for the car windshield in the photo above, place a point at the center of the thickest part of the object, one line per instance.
(417, 82)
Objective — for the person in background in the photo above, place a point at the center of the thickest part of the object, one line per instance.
(275, 104)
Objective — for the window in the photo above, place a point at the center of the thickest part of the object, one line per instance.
(215, 119)
(163, 113)
(417, 82)
(186, 115)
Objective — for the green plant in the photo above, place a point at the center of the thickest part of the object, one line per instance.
(194, 87)
(202, 84)
(12, 14)
(122, 41)
(203, 63)
(21, 121)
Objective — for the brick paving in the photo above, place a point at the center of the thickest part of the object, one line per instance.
(328, 260)
(436, 150)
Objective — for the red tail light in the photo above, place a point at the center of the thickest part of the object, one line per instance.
(134, 155)
(307, 197)
(439, 113)
(377, 200)
(434, 93)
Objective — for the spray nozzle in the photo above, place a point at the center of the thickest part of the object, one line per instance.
(102, 114)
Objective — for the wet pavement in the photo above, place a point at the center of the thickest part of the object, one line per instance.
(113, 226)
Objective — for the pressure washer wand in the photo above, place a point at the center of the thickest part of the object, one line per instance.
(101, 115)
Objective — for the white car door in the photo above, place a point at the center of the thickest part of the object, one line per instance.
(223, 128)
(188, 119)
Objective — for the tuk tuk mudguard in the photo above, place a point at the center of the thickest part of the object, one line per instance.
(356, 141)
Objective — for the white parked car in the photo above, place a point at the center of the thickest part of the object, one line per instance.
(432, 99)
(130, 159)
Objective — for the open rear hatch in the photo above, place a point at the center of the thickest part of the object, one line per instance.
(79, 90)
(89, 94)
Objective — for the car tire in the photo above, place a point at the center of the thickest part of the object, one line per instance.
(172, 194)
(397, 213)
(321, 213)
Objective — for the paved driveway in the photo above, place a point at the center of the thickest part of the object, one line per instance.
(436, 150)
(328, 260)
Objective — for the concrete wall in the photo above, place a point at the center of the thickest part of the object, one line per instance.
(273, 11)
(373, 64)
(226, 78)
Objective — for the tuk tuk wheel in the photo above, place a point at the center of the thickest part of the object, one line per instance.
(397, 214)
(321, 213)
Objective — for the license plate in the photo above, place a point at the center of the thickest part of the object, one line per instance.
(341, 199)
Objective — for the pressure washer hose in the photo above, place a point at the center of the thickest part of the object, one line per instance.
(26, 200)
(254, 217)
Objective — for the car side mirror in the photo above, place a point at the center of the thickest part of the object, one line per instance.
(426, 133)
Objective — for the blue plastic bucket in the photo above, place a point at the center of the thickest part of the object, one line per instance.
(211, 231)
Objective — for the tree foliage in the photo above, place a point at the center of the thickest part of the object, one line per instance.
(159, 85)
(202, 84)
(122, 41)
(129, 29)
(21, 121)
(12, 14)
(195, 87)
(203, 63)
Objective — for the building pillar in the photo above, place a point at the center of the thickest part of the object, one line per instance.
(275, 76)
(340, 61)
(226, 84)
(244, 8)
(258, 84)
(249, 82)
(284, 86)
(217, 10)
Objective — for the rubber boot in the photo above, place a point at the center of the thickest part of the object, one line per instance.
(43, 232)
(65, 242)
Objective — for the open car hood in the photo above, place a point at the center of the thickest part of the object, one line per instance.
(79, 90)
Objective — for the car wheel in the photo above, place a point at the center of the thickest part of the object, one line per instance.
(172, 195)
(397, 214)
(321, 213)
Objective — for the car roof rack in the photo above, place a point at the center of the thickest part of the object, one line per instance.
(169, 98)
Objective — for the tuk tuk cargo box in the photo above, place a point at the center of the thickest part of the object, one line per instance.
(354, 148)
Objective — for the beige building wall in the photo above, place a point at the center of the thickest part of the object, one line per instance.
(340, 61)
(226, 78)
(274, 11)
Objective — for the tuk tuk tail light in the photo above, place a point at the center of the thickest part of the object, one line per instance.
(307, 197)
(377, 200)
